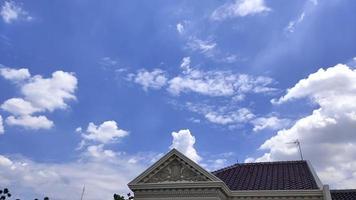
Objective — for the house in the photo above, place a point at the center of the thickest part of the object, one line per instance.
(176, 177)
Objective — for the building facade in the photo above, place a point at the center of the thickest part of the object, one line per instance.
(176, 177)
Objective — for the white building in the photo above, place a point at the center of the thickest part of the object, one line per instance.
(176, 177)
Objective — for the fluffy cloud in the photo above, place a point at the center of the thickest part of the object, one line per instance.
(240, 115)
(217, 83)
(15, 74)
(1, 126)
(30, 122)
(184, 141)
(223, 115)
(38, 95)
(239, 8)
(50, 93)
(155, 79)
(210, 83)
(327, 135)
(18, 106)
(106, 132)
(101, 177)
(10, 12)
(180, 28)
(272, 122)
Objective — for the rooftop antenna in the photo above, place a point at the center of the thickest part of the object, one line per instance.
(81, 198)
(299, 147)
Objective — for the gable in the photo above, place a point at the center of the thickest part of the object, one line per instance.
(174, 167)
(174, 170)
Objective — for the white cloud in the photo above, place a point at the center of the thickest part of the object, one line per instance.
(18, 106)
(30, 122)
(10, 12)
(50, 93)
(108, 62)
(39, 95)
(223, 115)
(15, 74)
(203, 46)
(1, 125)
(292, 24)
(4, 161)
(217, 83)
(155, 79)
(272, 122)
(210, 83)
(180, 28)
(240, 8)
(106, 132)
(62, 181)
(98, 152)
(184, 141)
(327, 135)
(233, 117)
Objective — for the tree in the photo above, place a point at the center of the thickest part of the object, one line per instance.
(5, 193)
(119, 197)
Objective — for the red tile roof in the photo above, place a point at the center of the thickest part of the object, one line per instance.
(343, 194)
(284, 175)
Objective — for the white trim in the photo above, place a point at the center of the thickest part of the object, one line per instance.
(326, 192)
(316, 178)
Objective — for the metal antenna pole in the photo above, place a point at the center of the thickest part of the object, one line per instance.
(81, 198)
(300, 149)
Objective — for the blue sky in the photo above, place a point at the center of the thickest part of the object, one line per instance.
(94, 92)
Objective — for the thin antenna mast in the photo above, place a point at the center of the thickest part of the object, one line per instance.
(81, 198)
(299, 148)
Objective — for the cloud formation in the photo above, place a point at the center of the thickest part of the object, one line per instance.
(11, 11)
(272, 122)
(101, 175)
(30, 122)
(217, 83)
(180, 28)
(1, 125)
(205, 47)
(327, 135)
(39, 95)
(107, 132)
(184, 142)
(154, 79)
(240, 8)
(15, 74)
(210, 83)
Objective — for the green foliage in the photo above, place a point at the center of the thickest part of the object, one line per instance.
(5, 194)
(119, 197)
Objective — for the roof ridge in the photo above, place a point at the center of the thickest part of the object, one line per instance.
(258, 163)
(343, 190)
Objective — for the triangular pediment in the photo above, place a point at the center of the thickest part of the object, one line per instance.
(174, 167)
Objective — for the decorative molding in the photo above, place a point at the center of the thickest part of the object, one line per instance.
(175, 170)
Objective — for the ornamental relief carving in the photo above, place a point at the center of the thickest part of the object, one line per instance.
(176, 171)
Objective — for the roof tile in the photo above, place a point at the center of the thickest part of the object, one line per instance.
(283, 175)
(343, 194)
